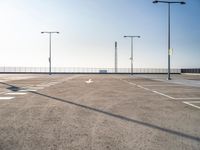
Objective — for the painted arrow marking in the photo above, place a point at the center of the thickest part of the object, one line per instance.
(89, 81)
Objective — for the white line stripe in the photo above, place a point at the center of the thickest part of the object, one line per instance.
(37, 88)
(132, 83)
(150, 90)
(42, 85)
(162, 85)
(48, 84)
(197, 102)
(6, 98)
(28, 90)
(163, 94)
(188, 103)
(192, 98)
(15, 93)
(129, 82)
(143, 87)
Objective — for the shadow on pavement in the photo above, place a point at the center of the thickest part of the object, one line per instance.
(123, 118)
(12, 87)
(188, 136)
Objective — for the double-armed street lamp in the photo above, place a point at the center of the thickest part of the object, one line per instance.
(50, 48)
(169, 46)
(128, 36)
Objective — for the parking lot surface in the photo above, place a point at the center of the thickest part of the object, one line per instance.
(99, 112)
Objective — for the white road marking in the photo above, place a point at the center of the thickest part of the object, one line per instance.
(37, 88)
(42, 85)
(128, 82)
(150, 90)
(89, 81)
(163, 94)
(34, 88)
(195, 102)
(143, 87)
(132, 83)
(190, 103)
(28, 90)
(192, 98)
(47, 84)
(16, 93)
(159, 93)
(161, 85)
(6, 98)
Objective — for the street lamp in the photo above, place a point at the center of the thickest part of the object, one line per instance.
(131, 50)
(169, 3)
(50, 48)
(116, 57)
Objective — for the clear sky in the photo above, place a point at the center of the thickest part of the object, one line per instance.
(89, 28)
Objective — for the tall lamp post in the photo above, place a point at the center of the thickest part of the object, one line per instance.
(50, 48)
(116, 57)
(128, 36)
(169, 46)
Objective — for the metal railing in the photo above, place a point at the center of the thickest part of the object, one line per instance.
(190, 70)
(84, 70)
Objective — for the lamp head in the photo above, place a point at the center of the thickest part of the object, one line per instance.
(182, 3)
(155, 1)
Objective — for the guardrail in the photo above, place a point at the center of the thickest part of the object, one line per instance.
(190, 70)
(85, 70)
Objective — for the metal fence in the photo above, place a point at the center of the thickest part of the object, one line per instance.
(190, 70)
(83, 70)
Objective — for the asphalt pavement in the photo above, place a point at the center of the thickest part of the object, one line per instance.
(98, 112)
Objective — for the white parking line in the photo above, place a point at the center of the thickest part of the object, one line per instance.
(190, 103)
(16, 93)
(191, 98)
(42, 85)
(161, 85)
(47, 84)
(131, 83)
(128, 82)
(195, 102)
(143, 87)
(163, 94)
(28, 90)
(37, 88)
(149, 90)
(159, 93)
(6, 98)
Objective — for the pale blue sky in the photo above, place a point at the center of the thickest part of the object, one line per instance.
(89, 28)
